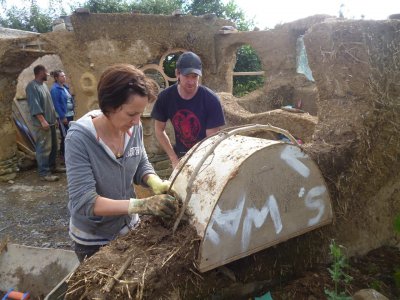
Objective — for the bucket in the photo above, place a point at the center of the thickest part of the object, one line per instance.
(245, 194)
(35, 270)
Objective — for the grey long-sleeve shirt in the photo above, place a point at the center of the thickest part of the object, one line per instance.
(92, 170)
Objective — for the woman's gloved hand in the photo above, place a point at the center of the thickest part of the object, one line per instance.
(157, 185)
(159, 205)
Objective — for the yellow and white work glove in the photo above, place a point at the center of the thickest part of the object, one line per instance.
(158, 205)
(157, 185)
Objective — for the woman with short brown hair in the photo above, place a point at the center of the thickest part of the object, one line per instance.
(105, 155)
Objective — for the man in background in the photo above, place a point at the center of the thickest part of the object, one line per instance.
(194, 110)
(44, 120)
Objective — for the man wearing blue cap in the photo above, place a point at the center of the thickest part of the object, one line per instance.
(194, 110)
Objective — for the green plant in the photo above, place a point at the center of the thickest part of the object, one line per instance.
(339, 277)
(376, 285)
(396, 275)
(247, 60)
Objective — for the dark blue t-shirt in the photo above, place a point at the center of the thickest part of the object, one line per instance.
(190, 118)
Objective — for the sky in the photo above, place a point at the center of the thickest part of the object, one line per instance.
(267, 13)
(270, 13)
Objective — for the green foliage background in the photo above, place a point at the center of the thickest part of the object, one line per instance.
(30, 17)
(247, 61)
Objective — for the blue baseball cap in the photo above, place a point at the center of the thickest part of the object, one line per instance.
(189, 63)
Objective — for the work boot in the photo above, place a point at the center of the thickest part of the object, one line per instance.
(49, 178)
(58, 170)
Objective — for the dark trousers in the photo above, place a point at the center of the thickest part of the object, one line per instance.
(46, 149)
(84, 251)
(63, 132)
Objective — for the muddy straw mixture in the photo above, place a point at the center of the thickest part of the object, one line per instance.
(150, 254)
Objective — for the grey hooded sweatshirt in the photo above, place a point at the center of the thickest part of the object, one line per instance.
(93, 170)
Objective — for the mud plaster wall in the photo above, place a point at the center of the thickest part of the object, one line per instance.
(277, 52)
(54, 63)
(142, 39)
(12, 62)
(100, 40)
(97, 42)
(356, 66)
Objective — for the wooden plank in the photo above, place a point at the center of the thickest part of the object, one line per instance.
(248, 73)
(37, 51)
(36, 43)
(26, 150)
(227, 31)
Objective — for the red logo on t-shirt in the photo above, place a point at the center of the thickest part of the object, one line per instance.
(187, 127)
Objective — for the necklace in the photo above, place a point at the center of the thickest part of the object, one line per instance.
(104, 129)
(120, 148)
(117, 147)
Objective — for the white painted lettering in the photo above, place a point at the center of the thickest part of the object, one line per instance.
(291, 155)
(302, 192)
(315, 203)
(227, 221)
(258, 217)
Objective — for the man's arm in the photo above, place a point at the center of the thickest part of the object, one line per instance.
(211, 131)
(42, 121)
(164, 141)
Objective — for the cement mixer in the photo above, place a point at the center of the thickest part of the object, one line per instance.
(245, 194)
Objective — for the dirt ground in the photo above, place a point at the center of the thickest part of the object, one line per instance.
(35, 213)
